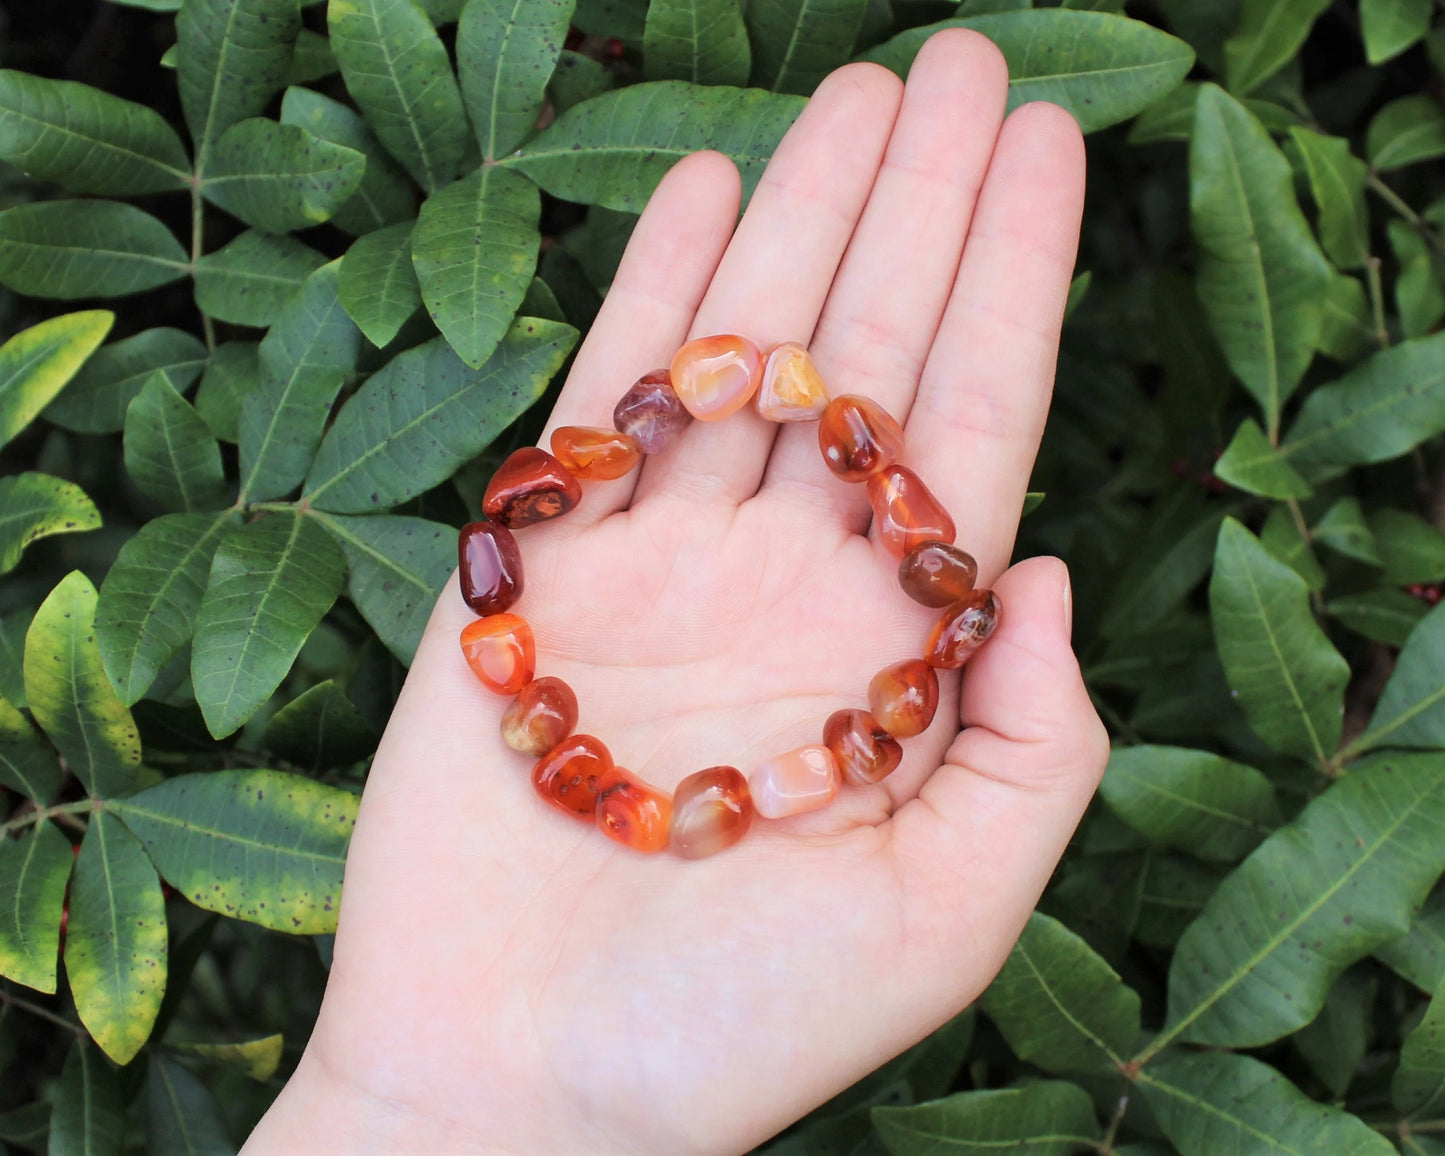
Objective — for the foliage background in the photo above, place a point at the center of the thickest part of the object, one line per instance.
(230, 469)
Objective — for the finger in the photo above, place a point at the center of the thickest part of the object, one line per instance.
(885, 306)
(975, 425)
(775, 275)
(671, 257)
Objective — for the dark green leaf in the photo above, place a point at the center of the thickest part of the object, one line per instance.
(182, 1117)
(1252, 463)
(1337, 182)
(251, 279)
(1419, 956)
(706, 42)
(1419, 295)
(1346, 329)
(1413, 549)
(95, 401)
(36, 364)
(1411, 711)
(575, 79)
(1405, 132)
(320, 729)
(33, 873)
(13, 625)
(1282, 538)
(27, 1127)
(35, 506)
(1343, 529)
(88, 1113)
(1385, 614)
(1270, 33)
(71, 249)
(797, 42)
(27, 764)
(313, 60)
(170, 453)
(1171, 117)
(1418, 1089)
(505, 54)
(231, 375)
(1173, 890)
(1048, 1118)
(1391, 26)
(1335, 1041)
(279, 177)
(377, 283)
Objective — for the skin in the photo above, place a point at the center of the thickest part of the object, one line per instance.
(506, 979)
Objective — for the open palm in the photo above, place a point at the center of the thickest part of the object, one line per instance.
(508, 980)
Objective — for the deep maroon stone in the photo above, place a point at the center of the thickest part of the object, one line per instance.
(651, 413)
(491, 567)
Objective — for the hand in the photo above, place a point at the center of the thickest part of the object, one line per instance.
(507, 979)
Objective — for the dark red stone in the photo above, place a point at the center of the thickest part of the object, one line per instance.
(530, 486)
(491, 567)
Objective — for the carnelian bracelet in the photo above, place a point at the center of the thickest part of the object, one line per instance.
(709, 379)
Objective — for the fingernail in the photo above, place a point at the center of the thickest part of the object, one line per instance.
(1068, 607)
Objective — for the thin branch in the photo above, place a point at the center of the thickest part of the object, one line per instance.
(36, 1010)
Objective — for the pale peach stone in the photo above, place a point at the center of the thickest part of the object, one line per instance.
(714, 377)
(792, 388)
(789, 784)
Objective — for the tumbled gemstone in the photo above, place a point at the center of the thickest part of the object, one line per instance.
(632, 813)
(491, 567)
(797, 781)
(569, 776)
(903, 697)
(905, 512)
(716, 376)
(937, 574)
(858, 437)
(530, 486)
(589, 452)
(863, 750)
(651, 414)
(541, 716)
(711, 810)
(501, 651)
(962, 629)
(791, 389)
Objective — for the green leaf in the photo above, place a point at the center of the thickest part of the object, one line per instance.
(1173, 552)
(280, 177)
(170, 453)
(1419, 956)
(1344, 877)
(231, 376)
(398, 73)
(505, 54)
(309, 353)
(13, 625)
(1102, 68)
(796, 42)
(1337, 182)
(1261, 277)
(1418, 1089)
(377, 283)
(1252, 463)
(33, 873)
(232, 57)
(88, 1113)
(1173, 890)
(1281, 537)
(258, 1058)
(1214, 1102)
(96, 399)
(475, 249)
(70, 695)
(1047, 1118)
(37, 362)
(706, 41)
(1059, 1005)
(313, 60)
(27, 1127)
(148, 603)
(396, 569)
(87, 140)
(1335, 1041)
(1419, 295)
(320, 729)
(1270, 33)
(414, 423)
(262, 846)
(182, 1117)
(1413, 549)
(1385, 614)
(27, 764)
(1171, 117)
(71, 249)
(1288, 677)
(1411, 711)
(35, 506)
(271, 583)
(1391, 26)
(1343, 529)
(613, 149)
(1210, 806)
(1347, 329)
(384, 196)
(250, 281)
(1405, 132)
(575, 79)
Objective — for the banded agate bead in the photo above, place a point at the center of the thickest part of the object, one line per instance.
(711, 810)
(541, 716)
(650, 413)
(905, 512)
(716, 376)
(569, 776)
(501, 651)
(632, 813)
(590, 453)
(530, 486)
(791, 389)
(863, 750)
(858, 437)
(961, 630)
(937, 574)
(491, 567)
(796, 781)
(903, 697)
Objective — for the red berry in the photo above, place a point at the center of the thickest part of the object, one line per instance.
(614, 48)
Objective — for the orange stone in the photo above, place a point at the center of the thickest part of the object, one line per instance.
(711, 810)
(569, 776)
(501, 651)
(961, 630)
(789, 784)
(937, 574)
(791, 389)
(858, 437)
(530, 486)
(905, 512)
(864, 751)
(903, 697)
(590, 452)
(633, 813)
(716, 376)
(541, 716)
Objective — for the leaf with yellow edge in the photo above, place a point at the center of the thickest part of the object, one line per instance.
(37, 362)
(259, 1059)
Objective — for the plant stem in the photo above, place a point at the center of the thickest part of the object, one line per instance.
(1317, 599)
(198, 223)
(36, 1010)
(1377, 300)
(40, 814)
(1106, 1145)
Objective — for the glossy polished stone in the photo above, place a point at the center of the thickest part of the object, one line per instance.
(651, 413)
(711, 810)
(863, 750)
(800, 780)
(905, 512)
(501, 651)
(530, 486)
(491, 567)
(858, 437)
(791, 389)
(961, 630)
(716, 376)
(569, 776)
(937, 574)
(591, 453)
(903, 697)
(541, 716)
(632, 813)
